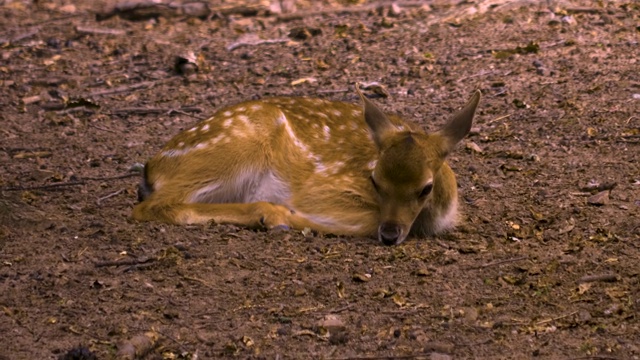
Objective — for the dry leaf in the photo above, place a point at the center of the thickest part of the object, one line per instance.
(398, 300)
(247, 341)
(361, 277)
(341, 289)
(583, 288)
(303, 80)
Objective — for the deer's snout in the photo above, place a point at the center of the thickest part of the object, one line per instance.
(390, 233)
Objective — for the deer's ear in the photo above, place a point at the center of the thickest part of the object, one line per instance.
(460, 124)
(379, 124)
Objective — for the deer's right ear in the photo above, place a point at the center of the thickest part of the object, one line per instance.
(458, 127)
(379, 124)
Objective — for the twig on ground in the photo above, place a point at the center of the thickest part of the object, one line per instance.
(498, 119)
(128, 88)
(115, 193)
(27, 34)
(556, 318)
(52, 20)
(333, 91)
(101, 128)
(182, 112)
(500, 262)
(252, 42)
(69, 183)
(186, 110)
(341, 309)
(99, 31)
(129, 262)
(138, 267)
(349, 10)
(583, 10)
(601, 277)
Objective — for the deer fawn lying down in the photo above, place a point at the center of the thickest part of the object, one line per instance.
(333, 167)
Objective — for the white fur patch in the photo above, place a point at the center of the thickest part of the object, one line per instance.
(244, 187)
(331, 223)
(204, 194)
(269, 188)
(448, 219)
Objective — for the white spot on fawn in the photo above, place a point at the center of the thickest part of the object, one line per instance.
(282, 120)
(337, 112)
(244, 119)
(356, 113)
(175, 152)
(327, 132)
(201, 146)
(227, 113)
(256, 107)
(181, 144)
(227, 123)
(205, 128)
(217, 139)
(193, 129)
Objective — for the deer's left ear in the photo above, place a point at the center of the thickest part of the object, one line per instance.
(379, 124)
(458, 127)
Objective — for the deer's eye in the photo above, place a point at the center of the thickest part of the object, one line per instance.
(426, 190)
(373, 182)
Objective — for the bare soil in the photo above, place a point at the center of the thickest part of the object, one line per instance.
(545, 263)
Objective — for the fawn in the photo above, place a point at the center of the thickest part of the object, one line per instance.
(300, 163)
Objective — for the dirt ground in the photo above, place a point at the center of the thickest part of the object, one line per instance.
(544, 264)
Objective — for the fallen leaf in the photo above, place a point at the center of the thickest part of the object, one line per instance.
(247, 341)
(341, 289)
(583, 288)
(599, 199)
(361, 277)
(398, 300)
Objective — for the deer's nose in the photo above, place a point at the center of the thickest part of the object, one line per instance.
(389, 233)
